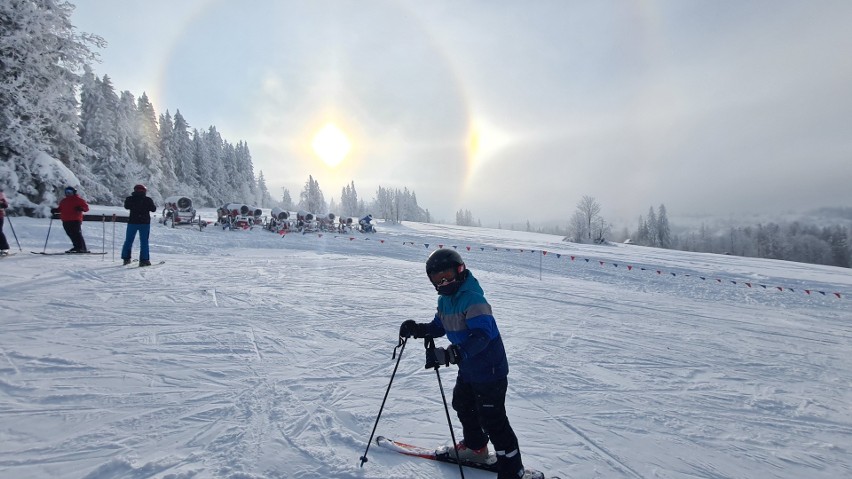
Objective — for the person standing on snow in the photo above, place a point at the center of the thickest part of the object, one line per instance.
(479, 395)
(71, 210)
(4, 244)
(141, 207)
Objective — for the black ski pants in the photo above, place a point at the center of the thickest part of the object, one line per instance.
(74, 230)
(482, 412)
(4, 244)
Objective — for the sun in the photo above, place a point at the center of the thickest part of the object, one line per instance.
(331, 144)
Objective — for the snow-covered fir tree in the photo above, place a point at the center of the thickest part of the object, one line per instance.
(653, 232)
(349, 205)
(311, 198)
(42, 63)
(465, 218)
(182, 151)
(287, 200)
(397, 205)
(664, 232)
(264, 198)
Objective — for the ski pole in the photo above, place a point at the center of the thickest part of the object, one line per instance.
(113, 236)
(103, 236)
(431, 361)
(401, 347)
(13, 233)
(48, 234)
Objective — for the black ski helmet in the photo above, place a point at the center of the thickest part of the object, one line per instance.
(443, 260)
(70, 190)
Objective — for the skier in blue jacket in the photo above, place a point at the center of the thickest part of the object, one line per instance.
(479, 395)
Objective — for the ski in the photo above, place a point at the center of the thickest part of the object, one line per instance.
(136, 263)
(64, 253)
(442, 455)
(7, 255)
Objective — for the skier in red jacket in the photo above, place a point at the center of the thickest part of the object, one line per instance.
(71, 210)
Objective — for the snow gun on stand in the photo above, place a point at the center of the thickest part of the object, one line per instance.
(178, 211)
(279, 221)
(305, 222)
(235, 216)
(326, 223)
(345, 225)
(256, 215)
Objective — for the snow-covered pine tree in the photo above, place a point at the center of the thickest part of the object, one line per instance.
(311, 198)
(248, 183)
(653, 235)
(233, 176)
(287, 200)
(641, 232)
(96, 133)
(185, 171)
(349, 201)
(664, 232)
(148, 149)
(42, 58)
(408, 208)
(217, 183)
(168, 186)
(264, 198)
(205, 172)
(383, 203)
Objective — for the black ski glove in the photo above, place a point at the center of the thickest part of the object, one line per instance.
(78, 208)
(443, 357)
(409, 328)
(54, 210)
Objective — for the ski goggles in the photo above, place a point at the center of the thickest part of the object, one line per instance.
(445, 277)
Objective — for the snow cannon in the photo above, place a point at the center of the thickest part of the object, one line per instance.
(326, 223)
(280, 214)
(178, 210)
(237, 209)
(179, 203)
(257, 214)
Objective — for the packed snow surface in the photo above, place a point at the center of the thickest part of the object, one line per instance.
(252, 355)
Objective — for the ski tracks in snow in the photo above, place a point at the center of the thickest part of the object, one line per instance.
(270, 358)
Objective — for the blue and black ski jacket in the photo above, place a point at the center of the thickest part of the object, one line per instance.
(466, 319)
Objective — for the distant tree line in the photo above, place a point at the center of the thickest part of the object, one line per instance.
(793, 241)
(465, 218)
(391, 204)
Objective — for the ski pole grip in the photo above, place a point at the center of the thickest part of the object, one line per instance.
(431, 361)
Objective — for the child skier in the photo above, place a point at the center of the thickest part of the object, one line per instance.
(479, 395)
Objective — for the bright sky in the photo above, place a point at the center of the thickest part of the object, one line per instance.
(512, 110)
